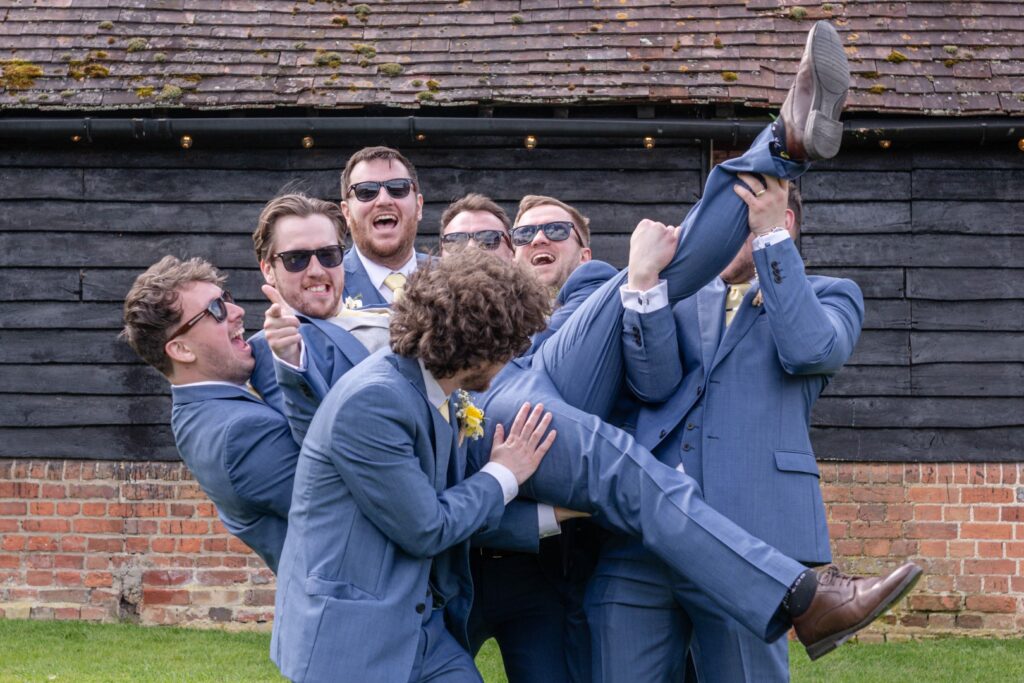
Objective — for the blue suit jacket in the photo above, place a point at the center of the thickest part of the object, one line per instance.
(357, 282)
(241, 452)
(263, 378)
(380, 510)
(739, 423)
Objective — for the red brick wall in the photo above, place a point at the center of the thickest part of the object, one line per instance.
(139, 541)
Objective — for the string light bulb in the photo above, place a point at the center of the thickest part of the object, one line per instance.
(420, 137)
(186, 142)
(307, 142)
(76, 138)
(648, 142)
(885, 144)
(1020, 144)
(530, 142)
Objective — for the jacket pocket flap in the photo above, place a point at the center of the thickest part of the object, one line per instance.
(795, 461)
(342, 590)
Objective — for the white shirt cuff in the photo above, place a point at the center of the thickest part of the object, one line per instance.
(301, 367)
(645, 302)
(547, 525)
(768, 239)
(507, 480)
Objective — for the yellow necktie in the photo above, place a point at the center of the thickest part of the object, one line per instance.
(733, 299)
(396, 283)
(252, 390)
(443, 409)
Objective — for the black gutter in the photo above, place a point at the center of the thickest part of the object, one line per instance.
(979, 131)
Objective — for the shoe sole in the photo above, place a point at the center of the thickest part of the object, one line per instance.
(823, 132)
(823, 647)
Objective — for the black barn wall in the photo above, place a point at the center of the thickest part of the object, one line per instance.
(935, 238)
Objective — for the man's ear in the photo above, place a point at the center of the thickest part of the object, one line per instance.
(344, 210)
(791, 227)
(178, 351)
(419, 207)
(585, 254)
(268, 273)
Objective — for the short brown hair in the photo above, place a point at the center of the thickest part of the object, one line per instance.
(474, 201)
(294, 204)
(153, 306)
(581, 222)
(467, 310)
(370, 154)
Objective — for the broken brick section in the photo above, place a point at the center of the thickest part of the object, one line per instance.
(109, 541)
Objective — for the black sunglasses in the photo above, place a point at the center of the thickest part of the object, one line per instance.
(556, 231)
(297, 260)
(486, 239)
(218, 308)
(366, 192)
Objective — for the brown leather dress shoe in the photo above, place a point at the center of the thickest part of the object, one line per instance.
(815, 100)
(845, 604)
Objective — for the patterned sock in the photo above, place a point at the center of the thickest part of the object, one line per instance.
(801, 593)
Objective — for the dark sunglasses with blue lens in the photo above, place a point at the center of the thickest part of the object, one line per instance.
(297, 260)
(485, 239)
(398, 188)
(217, 309)
(556, 231)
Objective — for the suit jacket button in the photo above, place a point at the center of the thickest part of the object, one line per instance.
(690, 425)
(778, 280)
(662, 433)
(421, 608)
(775, 264)
(700, 390)
(687, 447)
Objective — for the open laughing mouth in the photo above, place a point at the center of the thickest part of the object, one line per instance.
(542, 259)
(385, 221)
(238, 339)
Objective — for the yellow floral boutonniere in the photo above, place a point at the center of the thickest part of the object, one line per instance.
(471, 418)
(353, 303)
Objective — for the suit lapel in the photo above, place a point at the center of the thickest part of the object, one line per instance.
(443, 436)
(357, 282)
(745, 317)
(343, 339)
(711, 318)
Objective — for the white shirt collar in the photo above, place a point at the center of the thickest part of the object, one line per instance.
(209, 383)
(377, 272)
(435, 394)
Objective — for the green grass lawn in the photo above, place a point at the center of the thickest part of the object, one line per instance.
(76, 652)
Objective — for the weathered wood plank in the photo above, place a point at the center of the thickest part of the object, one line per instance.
(965, 284)
(91, 316)
(112, 250)
(972, 315)
(47, 410)
(69, 346)
(874, 283)
(121, 380)
(143, 442)
(1002, 444)
(968, 379)
(882, 347)
(36, 183)
(112, 284)
(668, 154)
(966, 347)
(829, 186)
(945, 251)
(129, 216)
(976, 218)
(38, 284)
(870, 380)
(200, 185)
(971, 184)
(887, 314)
(959, 158)
(918, 412)
(854, 217)
(856, 158)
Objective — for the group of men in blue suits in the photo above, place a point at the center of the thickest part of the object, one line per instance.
(385, 496)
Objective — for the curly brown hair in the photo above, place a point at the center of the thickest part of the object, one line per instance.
(467, 310)
(153, 305)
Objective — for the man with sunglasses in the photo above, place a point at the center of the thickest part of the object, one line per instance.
(382, 205)
(179, 320)
(475, 220)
